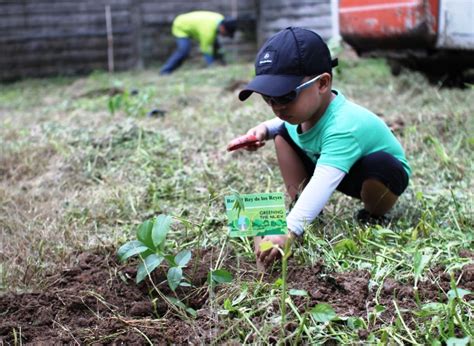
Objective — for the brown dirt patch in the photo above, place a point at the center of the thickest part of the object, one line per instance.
(97, 301)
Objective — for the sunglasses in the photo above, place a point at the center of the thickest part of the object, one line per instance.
(291, 96)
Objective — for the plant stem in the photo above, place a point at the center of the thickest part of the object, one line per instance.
(144, 335)
(219, 259)
(244, 315)
(251, 313)
(412, 339)
(172, 306)
(302, 325)
(284, 272)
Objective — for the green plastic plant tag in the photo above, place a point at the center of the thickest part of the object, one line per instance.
(256, 214)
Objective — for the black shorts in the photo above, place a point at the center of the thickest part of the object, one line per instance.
(379, 165)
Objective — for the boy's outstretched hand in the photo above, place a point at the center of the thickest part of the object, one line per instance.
(266, 258)
(242, 142)
(254, 139)
(260, 132)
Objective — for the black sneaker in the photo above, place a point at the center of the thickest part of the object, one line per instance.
(364, 217)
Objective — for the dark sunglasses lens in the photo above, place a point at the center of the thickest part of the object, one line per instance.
(281, 100)
(285, 99)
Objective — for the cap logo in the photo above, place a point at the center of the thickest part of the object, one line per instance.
(267, 58)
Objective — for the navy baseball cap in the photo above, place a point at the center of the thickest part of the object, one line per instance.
(285, 59)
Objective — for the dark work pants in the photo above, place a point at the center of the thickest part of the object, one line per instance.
(179, 55)
(379, 165)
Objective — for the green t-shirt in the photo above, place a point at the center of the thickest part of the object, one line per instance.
(345, 133)
(200, 26)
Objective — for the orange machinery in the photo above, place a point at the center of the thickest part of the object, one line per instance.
(434, 36)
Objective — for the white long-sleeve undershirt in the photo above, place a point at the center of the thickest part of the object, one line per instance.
(315, 195)
(273, 126)
(313, 198)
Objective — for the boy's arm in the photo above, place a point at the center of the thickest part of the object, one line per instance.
(310, 203)
(273, 126)
(314, 196)
(264, 131)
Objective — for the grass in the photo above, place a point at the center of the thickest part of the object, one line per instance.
(74, 177)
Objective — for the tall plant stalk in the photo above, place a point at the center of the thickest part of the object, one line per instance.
(284, 288)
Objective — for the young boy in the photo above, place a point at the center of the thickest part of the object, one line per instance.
(323, 141)
(204, 27)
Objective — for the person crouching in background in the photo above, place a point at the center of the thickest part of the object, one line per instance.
(203, 27)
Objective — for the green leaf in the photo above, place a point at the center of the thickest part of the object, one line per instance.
(191, 311)
(228, 305)
(266, 245)
(295, 292)
(183, 306)
(379, 308)
(458, 341)
(161, 227)
(460, 292)
(241, 296)
(278, 283)
(432, 308)
(220, 276)
(144, 233)
(170, 260)
(118, 101)
(356, 323)
(111, 106)
(182, 258)
(346, 246)
(147, 266)
(419, 262)
(175, 275)
(176, 302)
(131, 248)
(323, 313)
(385, 233)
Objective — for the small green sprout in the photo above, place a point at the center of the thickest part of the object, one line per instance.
(150, 247)
(323, 313)
(219, 276)
(133, 103)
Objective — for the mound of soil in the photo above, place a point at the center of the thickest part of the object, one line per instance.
(97, 301)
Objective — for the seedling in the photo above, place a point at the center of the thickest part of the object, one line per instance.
(150, 247)
(232, 306)
(134, 104)
(218, 276)
(285, 254)
(323, 313)
(451, 315)
(419, 263)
